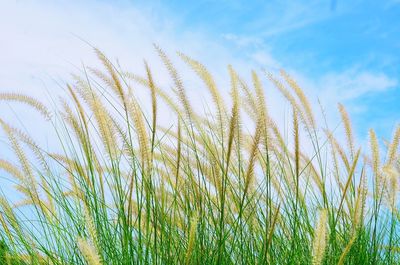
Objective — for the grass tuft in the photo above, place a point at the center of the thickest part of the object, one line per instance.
(225, 185)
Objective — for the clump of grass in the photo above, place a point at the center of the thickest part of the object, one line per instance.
(127, 187)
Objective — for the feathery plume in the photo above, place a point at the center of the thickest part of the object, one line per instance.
(177, 80)
(300, 94)
(29, 179)
(90, 254)
(116, 86)
(338, 148)
(5, 227)
(250, 106)
(192, 237)
(286, 93)
(375, 161)
(252, 158)
(9, 214)
(360, 202)
(137, 116)
(161, 93)
(91, 227)
(207, 78)
(296, 145)
(392, 185)
(349, 178)
(261, 106)
(104, 122)
(11, 169)
(153, 104)
(347, 127)
(320, 238)
(78, 105)
(27, 100)
(234, 121)
(392, 151)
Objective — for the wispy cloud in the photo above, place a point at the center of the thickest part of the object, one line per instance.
(39, 43)
(353, 84)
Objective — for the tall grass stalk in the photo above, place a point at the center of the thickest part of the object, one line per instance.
(127, 187)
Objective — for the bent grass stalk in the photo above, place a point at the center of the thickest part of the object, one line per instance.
(128, 187)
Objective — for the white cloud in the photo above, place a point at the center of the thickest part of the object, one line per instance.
(345, 87)
(243, 41)
(39, 43)
(352, 84)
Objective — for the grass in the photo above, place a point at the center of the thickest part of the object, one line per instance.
(229, 188)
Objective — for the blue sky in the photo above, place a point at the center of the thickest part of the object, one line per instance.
(314, 38)
(345, 51)
(317, 37)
